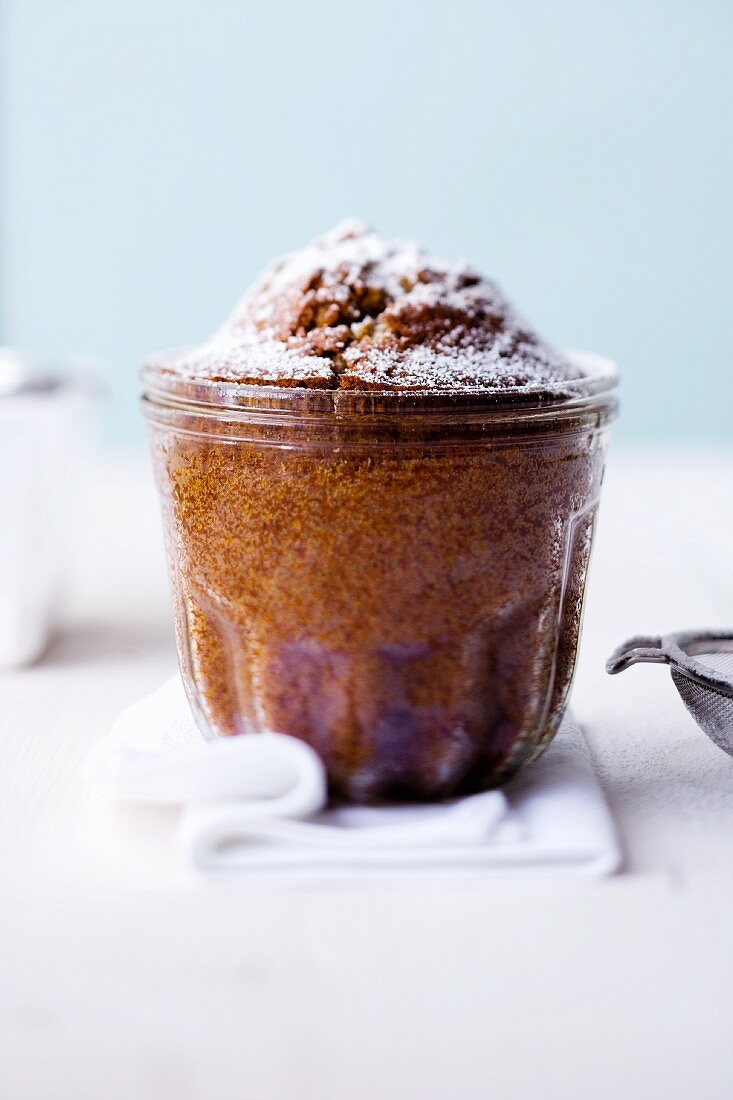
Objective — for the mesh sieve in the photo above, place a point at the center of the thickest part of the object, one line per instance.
(701, 664)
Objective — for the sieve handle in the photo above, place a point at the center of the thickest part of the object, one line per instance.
(639, 650)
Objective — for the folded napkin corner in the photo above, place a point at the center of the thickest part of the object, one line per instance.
(257, 803)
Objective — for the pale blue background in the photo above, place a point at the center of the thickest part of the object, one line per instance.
(155, 153)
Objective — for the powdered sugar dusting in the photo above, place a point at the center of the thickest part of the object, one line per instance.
(253, 363)
(356, 310)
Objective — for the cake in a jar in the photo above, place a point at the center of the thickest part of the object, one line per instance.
(379, 487)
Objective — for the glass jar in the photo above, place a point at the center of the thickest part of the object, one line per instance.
(395, 578)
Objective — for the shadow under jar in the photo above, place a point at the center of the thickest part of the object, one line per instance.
(395, 578)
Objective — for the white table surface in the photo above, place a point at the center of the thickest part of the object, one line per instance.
(123, 977)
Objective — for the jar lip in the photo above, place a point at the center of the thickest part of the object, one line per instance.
(595, 386)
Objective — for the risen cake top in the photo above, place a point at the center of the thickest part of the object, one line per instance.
(354, 310)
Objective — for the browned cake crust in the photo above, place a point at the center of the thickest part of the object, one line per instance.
(354, 310)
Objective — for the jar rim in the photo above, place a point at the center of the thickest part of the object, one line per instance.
(593, 388)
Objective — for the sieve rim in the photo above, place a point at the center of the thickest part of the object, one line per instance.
(679, 651)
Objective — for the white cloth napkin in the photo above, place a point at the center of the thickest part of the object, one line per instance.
(258, 802)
